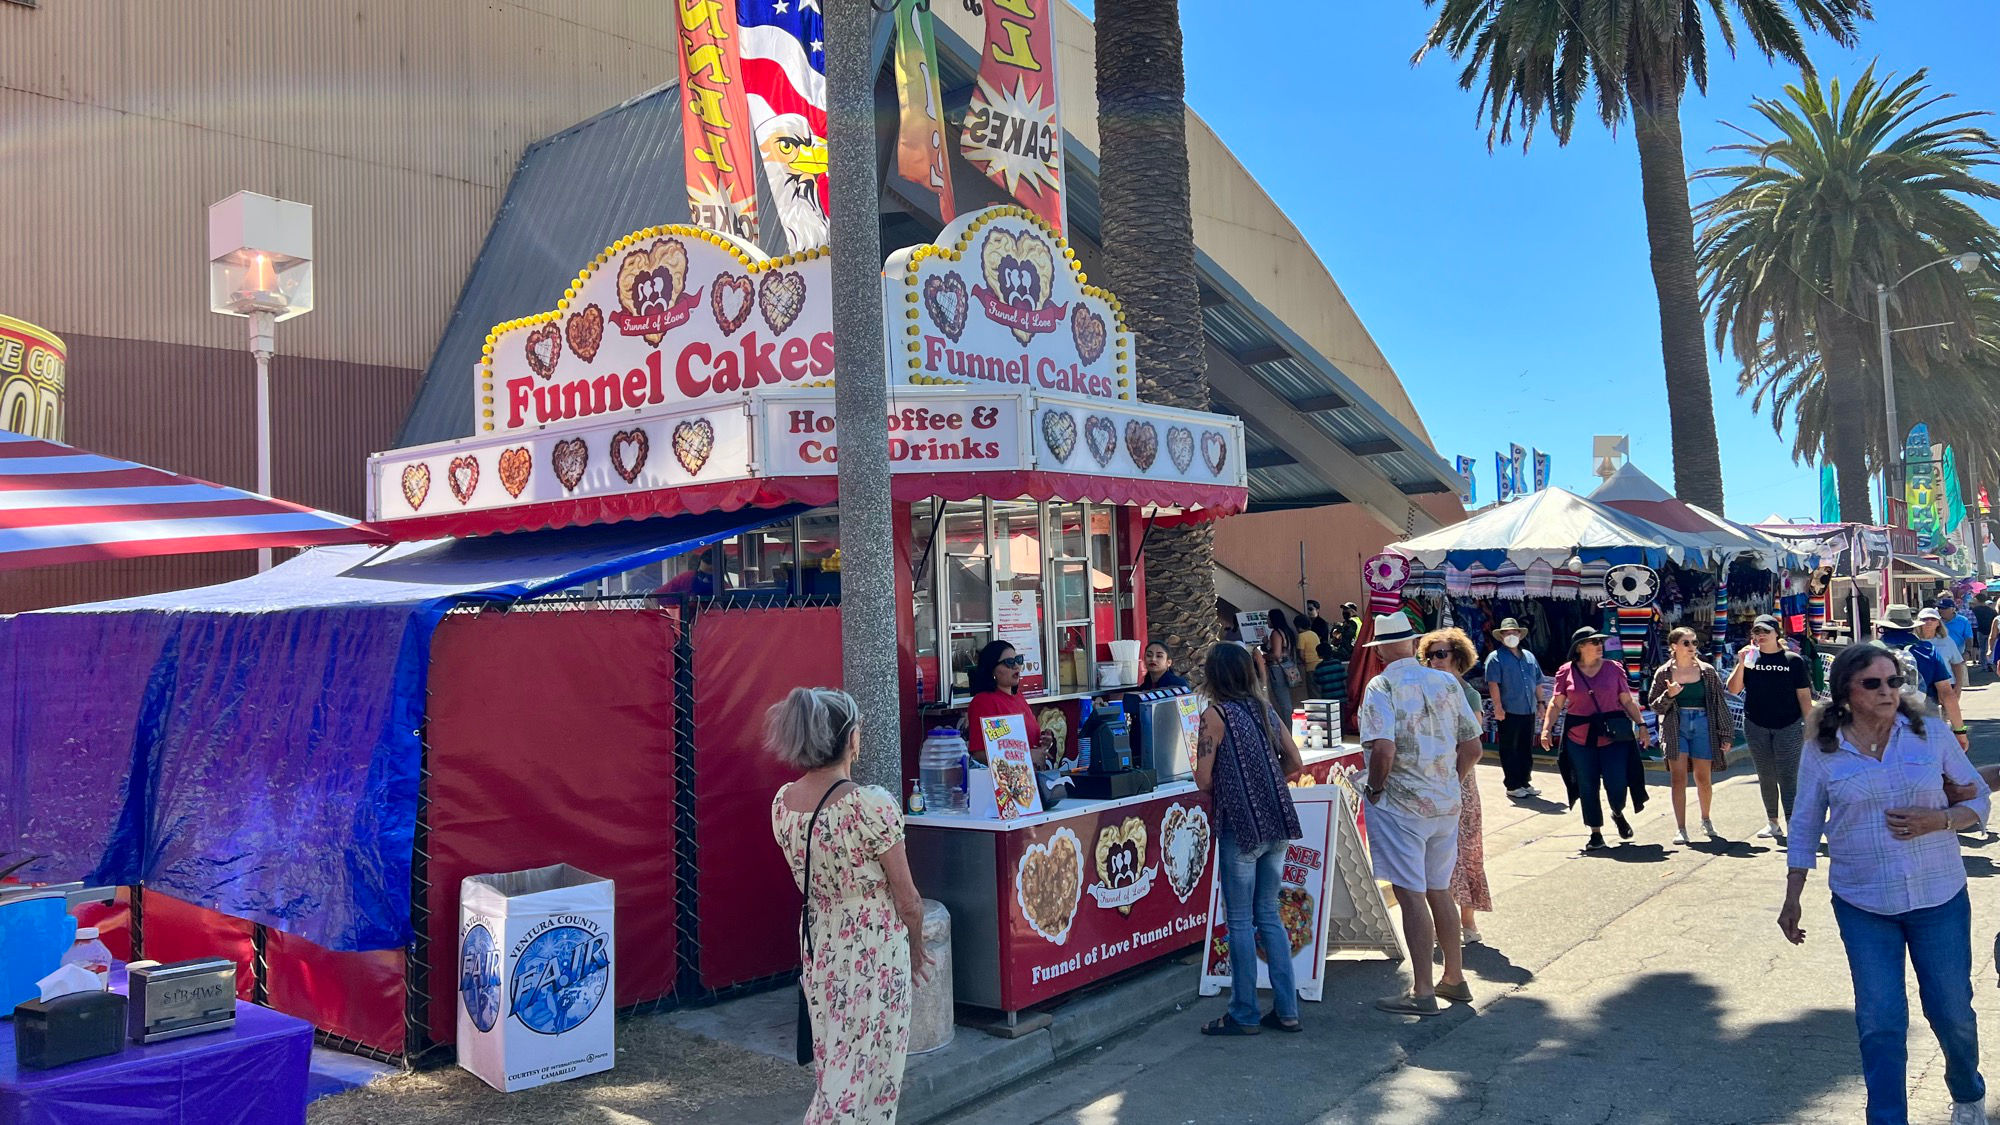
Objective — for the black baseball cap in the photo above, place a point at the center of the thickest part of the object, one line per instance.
(1766, 621)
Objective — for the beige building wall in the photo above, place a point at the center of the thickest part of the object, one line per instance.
(1263, 547)
(400, 121)
(1235, 223)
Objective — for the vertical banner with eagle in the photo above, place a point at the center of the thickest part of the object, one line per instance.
(715, 121)
(784, 76)
(721, 181)
(920, 153)
(1013, 128)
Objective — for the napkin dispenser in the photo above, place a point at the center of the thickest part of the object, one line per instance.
(184, 998)
(67, 1029)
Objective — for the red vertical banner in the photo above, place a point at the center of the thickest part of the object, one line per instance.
(920, 151)
(715, 118)
(1013, 128)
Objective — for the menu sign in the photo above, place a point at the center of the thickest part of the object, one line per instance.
(1017, 619)
(1010, 763)
(1303, 902)
(929, 432)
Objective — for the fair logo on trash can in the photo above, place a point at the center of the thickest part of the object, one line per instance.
(561, 970)
(479, 976)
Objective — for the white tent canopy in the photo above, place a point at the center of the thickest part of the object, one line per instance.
(1633, 492)
(1551, 526)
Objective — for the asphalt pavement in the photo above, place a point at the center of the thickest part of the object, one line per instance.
(1645, 983)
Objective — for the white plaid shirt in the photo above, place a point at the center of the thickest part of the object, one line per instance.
(1424, 712)
(1845, 794)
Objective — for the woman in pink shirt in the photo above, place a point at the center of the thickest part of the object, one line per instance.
(1593, 691)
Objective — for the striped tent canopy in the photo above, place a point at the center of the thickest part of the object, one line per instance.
(60, 504)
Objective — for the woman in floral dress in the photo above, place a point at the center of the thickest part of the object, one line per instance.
(867, 918)
(1450, 650)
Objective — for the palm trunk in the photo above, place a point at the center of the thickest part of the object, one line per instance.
(1847, 424)
(1148, 235)
(1670, 232)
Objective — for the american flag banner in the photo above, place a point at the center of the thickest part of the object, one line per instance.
(60, 504)
(784, 79)
(721, 183)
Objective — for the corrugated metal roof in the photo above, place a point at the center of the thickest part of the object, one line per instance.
(572, 195)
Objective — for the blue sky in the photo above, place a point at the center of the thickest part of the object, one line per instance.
(1512, 291)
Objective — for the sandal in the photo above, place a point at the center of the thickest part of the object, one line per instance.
(1273, 1021)
(1223, 1025)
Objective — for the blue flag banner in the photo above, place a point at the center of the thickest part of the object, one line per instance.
(1519, 463)
(1503, 477)
(1466, 469)
(1829, 495)
(1541, 470)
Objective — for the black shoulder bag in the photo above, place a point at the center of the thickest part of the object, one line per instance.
(804, 1048)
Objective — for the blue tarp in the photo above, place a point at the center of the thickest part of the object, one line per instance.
(255, 747)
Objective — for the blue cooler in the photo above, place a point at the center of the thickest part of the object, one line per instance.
(35, 931)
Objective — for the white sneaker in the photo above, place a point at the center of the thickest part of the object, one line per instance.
(1708, 827)
(1968, 1113)
(1469, 936)
(1680, 835)
(1768, 832)
(1532, 791)
(1523, 793)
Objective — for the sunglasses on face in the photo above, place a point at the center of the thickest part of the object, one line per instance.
(1683, 644)
(1438, 654)
(1874, 683)
(1011, 662)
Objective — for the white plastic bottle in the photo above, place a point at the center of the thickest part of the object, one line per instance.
(89, 953)
(941, 765)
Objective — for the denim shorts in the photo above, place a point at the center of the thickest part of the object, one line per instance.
(1694, 739)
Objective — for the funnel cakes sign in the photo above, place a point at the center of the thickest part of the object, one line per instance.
(999, 300)
(664, 318)
(684, 371)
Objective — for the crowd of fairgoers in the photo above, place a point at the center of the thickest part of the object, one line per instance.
(1863, 764)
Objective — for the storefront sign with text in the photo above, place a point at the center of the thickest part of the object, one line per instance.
(952, 433)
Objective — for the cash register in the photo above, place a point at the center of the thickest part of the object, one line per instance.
(1108, 770)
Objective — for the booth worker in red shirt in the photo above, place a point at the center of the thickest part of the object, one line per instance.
(996, 687)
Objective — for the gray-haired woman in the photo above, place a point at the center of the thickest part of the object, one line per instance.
(862, 935)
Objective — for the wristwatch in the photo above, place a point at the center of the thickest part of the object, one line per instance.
(1373, 791)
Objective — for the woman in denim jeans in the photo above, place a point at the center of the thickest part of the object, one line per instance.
(1891, 791)
(1243, 758)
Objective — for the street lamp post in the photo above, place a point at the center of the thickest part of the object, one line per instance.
(260, 268)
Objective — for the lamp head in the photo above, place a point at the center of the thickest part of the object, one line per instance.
(1966, 262)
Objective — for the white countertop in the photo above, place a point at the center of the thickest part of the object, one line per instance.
(1070, 807)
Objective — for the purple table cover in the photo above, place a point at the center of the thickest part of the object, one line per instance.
(253, 1074)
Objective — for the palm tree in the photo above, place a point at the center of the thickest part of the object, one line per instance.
(1536, 59)
(1852, 191)
(1148, 236)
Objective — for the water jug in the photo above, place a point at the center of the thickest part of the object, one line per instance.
(941, 767)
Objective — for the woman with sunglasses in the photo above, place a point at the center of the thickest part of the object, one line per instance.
(1592, 693)
(1696, 729)
(1450, 650)
(996, 692)
(1875, 785)
(1777, 693)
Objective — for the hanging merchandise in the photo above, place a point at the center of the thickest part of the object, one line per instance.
(1634, 626)
(1719, 632)
(1385, 575)
(1631, 585)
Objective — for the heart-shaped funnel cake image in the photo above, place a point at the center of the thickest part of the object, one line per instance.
(1019, 270)
(651, 282)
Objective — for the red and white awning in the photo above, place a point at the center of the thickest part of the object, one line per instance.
(60, 504)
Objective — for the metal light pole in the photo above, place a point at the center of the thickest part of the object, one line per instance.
(868, 649)
(260, 268)
(1892, 453)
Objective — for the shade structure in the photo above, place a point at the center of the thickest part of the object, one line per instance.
(1551, 526)
(60, 504)
(1631, 491)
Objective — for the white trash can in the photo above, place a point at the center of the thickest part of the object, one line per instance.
(537, 986)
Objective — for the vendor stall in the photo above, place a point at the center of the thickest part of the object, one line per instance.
(653, 471)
